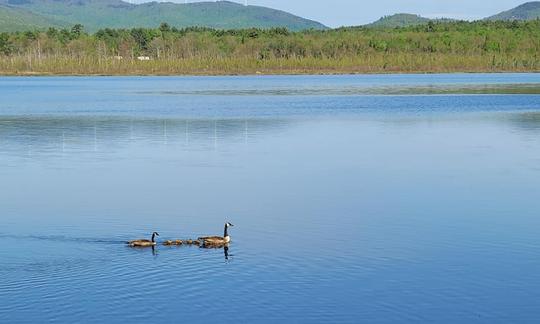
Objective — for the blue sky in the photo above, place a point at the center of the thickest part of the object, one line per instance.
(336, 13)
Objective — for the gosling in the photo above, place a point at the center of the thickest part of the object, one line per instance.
(193, 242)
(171, 243)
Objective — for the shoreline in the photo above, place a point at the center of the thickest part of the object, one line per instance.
(255, 74)
(443, 48)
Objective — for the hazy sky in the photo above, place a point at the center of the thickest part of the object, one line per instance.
(336, 13)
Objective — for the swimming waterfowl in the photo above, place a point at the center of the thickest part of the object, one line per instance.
(144, 243)
(193, 242)
(170, 243)
(217, 240)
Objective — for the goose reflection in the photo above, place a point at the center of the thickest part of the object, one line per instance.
(225, 248)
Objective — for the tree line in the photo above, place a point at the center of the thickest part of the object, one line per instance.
(436, 46)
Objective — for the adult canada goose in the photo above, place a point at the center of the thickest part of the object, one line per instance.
(217, 240)
(144, 243)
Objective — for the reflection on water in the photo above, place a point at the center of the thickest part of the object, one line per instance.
(432, 89)
(353, 208)
(526, 121)
(274, 97)
(28, 136)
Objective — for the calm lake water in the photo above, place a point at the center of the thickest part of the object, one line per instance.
(378, 199)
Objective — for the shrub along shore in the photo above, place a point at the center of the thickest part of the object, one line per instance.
(436, 47)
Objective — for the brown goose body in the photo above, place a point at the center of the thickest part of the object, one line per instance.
(217, 240)
(144, 243)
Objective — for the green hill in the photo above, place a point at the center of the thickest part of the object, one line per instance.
(526, 11)
(404, 20)
(399, 20)
(14, 19)
(96, 14)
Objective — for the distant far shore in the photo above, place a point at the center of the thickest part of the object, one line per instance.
(444, 47)
(303, 73)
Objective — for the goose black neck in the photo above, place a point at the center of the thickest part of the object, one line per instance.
(225, 234)
(153, 237)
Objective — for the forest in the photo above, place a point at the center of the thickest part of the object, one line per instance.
(449, 46)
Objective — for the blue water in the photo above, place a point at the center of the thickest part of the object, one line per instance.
(377, 199)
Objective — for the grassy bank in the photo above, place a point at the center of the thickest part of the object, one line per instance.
(439, 47)
(231, 66)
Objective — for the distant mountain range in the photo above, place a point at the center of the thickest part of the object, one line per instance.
(96, 14)
(526, 11)
(14, 19)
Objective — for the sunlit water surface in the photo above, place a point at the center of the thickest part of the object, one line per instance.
(379, 199)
